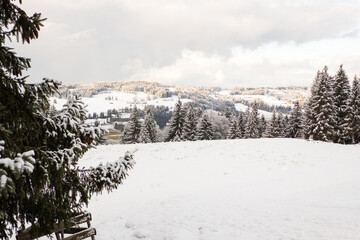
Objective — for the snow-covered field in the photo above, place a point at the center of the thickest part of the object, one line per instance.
(119, 100)
(270, 100)
(232, 189)
(242, 108)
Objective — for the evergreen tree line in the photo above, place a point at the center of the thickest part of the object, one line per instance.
(188, 123)
(137, 132)
(332, 113)
(251, 125)
(183, 125)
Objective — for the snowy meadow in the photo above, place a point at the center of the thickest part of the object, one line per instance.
(232, 189)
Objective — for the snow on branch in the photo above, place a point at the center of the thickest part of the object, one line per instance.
(108, 176)
(11, 169)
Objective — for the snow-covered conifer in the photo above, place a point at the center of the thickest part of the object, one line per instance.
(355, 114)
(40, 181)
(262, 126)
(322, 109)
(252, 124)
(294, 129)
(281, 124)
(148, 132)
(234, 129)
(341, 95)
(205, 130)
(309, 120)
(189, 131)
(132, 129)
(272, 130)
(241, 125)
(176, 123)
(285, 126)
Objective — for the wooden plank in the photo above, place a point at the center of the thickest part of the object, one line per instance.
(57, 236)
(82, 218)
(82, 235)
(74, 230)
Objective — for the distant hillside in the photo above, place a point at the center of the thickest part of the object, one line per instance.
(152, 93)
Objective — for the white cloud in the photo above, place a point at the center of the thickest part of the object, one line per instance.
(271, 64)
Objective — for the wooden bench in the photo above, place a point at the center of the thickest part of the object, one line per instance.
(76, 232)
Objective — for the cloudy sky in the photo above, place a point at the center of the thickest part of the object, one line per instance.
(247, 43)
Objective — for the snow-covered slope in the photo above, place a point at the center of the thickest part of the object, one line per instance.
(119, 100)
(242, 108)
(232, 189)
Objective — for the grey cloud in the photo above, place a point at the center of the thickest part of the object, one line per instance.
(93, 40)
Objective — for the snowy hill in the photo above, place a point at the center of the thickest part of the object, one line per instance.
(104, 96)
(119, 100)
(232, 189)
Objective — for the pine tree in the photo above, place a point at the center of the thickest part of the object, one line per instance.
(189, 131)
(176, 123)
(281, 125)
(295, 122)
(234, 129)
(198, 113)
(285, 126)
(272, 129)
(252, 124)
(341, 95)
(355, 114)
(41, 183)
(309, 120)
(148, 132)
(323, 109)
(205, 130)
(132, 129)
(262, 126)
(241, 125)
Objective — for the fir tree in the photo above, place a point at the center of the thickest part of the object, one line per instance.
(295, 122)
(247, 114)
(241, 125)
(309, 121)
(281, 124)
(39, 153)
(272, 130)
(355, 114)
(322, 109)
(198, 113)
(205, 130)
(234, 129)
(341, 95)
(252, 124)
(132, 129)
(176, 123)
(41, 183)
(148, 132)
(189, 131)
(285, 126)
(262, 126)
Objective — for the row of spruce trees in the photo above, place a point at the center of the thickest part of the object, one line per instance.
(183, 126)
(189, 124)
(331, 114)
